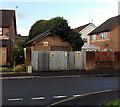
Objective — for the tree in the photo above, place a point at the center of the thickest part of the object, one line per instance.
(75, 40)
(57, 26)
(39, 27)
(18, 53)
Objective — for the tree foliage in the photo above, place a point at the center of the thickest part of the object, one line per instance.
(75, 40)
(57, 26)
(18, 53)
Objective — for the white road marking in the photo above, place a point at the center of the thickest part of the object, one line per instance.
(76, 95)
(15, 99)
(38, 98)
(59, 96)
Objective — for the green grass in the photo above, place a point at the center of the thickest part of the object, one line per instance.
(115, 103)
(6, 70)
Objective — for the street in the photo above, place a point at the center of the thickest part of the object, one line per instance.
(48, 91)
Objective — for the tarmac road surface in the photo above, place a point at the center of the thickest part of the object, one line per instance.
(47, 91)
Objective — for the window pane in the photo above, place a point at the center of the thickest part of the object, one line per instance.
(0, 31)
(103, 35)
(93, 37)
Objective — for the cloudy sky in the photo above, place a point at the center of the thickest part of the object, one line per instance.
(76, 12)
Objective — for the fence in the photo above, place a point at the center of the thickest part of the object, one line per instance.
(78, 60)
(58, 60)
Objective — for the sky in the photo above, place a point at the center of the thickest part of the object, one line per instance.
(76, 12)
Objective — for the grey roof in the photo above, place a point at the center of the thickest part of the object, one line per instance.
(90, 47)
(19, 37)
(107, 25)
(37, 38)
(78, 29)
(6, 18)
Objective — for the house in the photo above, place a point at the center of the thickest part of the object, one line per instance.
(45, 42)
(107, 35)
(7, 35)
(85, 30)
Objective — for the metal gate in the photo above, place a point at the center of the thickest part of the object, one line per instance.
(34, 60)
(58, 60)
(80, 60)
(43, 61)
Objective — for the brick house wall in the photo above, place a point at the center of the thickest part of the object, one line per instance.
(3, 56)
(12, 33)
(111, 27)
(8, 26)
(112, 40)
(119, 37)
(53, 41)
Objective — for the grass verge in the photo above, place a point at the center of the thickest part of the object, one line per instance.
(115, 103)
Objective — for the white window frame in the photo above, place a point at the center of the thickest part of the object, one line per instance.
(94, 37)
(103, 35)
(0, 31)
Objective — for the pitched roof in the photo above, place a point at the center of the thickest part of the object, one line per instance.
(78, 29)
(90, 47)
(37, 38)
(107, 25)
(19, 37)
(6, 18)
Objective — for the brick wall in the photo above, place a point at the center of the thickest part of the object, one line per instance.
(90, 60)
(93, 64)
(28, 58)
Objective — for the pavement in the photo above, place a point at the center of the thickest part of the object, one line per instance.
(96, 99)
(56, 74)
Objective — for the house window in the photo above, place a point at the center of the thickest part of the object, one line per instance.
(93, 37)
(103, 35)
(0, 31)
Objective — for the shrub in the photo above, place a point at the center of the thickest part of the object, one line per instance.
(19, 68)
(23, 66)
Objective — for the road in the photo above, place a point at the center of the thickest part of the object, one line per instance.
(48, 91)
